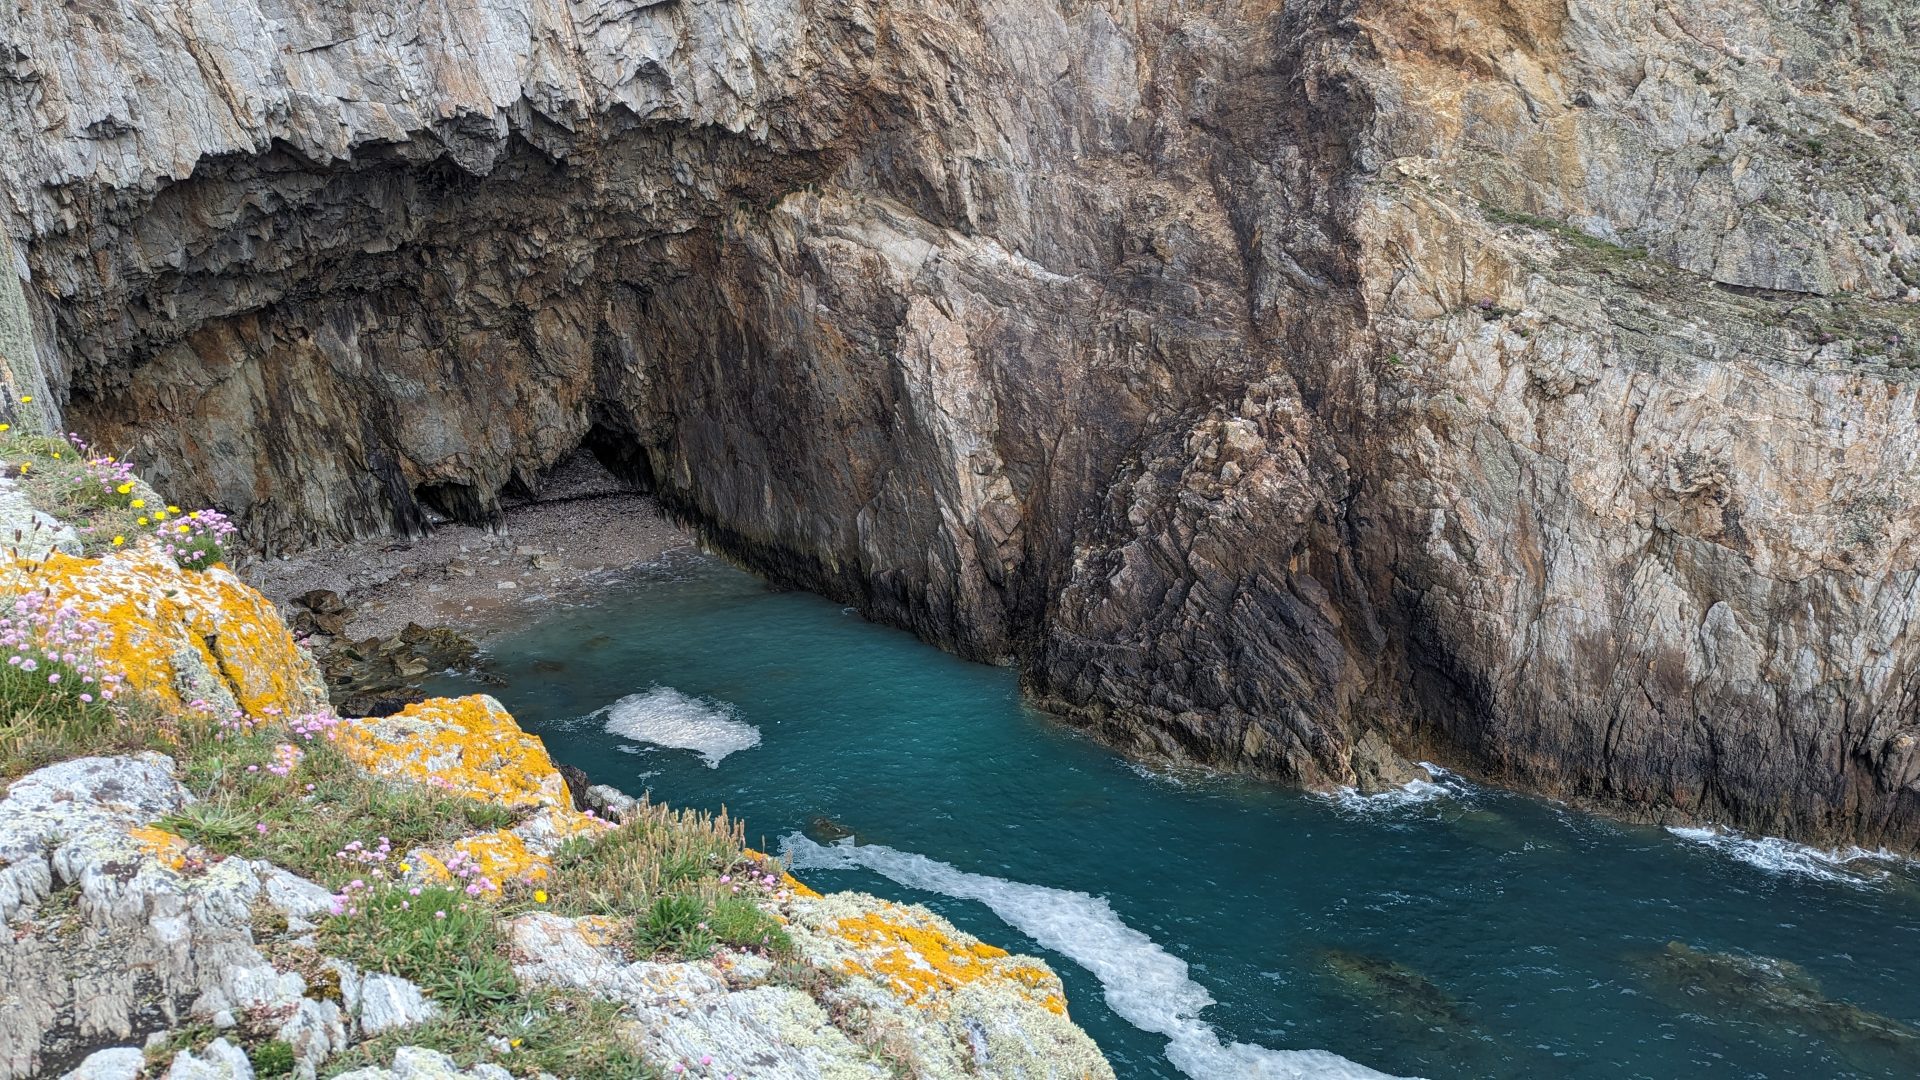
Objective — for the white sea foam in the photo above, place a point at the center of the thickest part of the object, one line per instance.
(1144, 984)
(666, 717)
(1441, 785)
(1846, 866)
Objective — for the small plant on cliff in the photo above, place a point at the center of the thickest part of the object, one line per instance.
(675, 923)
(654, 850)
(106, 503)
(437, 936)
(55, 694)
(301, 812)
(273, 1058)
(195, 540)
(557, 1032)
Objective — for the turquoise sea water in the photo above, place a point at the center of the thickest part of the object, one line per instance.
(1214, 928)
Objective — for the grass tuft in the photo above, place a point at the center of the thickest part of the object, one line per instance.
(448, 944)
(561, 1033)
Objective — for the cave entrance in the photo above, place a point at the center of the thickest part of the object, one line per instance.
(608, 461)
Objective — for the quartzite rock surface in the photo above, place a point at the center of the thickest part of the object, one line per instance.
(1528, 386)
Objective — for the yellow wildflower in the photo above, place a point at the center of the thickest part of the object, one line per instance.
(137, 503)
(124, 489)
(183, 528)
(6, 427)
(118, 540)
(56, 455)
(539, 896)
(143, 521)
(173, 509)
(515, 1043)
(24, 398)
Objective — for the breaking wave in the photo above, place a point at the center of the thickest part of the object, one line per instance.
(1845, 866)
(1144, 984)
(1440, 785)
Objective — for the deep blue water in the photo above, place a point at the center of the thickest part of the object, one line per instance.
(1454, 932)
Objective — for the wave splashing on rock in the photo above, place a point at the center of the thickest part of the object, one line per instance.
(1442, 785)
(1854, 866)
(1143, 983)
(666, 717)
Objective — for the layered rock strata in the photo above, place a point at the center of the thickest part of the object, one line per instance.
(1303, 388)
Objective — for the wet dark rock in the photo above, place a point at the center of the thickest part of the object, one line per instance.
(825, 830)
(580, 786)
(378, 676)
(441, 647)
(1378, 768)
(548, 667)
(359, 705)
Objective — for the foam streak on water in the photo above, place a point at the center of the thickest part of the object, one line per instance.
(1144, 984)
(666, 717)
(1779, 856)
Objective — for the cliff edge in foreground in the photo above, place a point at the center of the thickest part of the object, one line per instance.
(285, 892)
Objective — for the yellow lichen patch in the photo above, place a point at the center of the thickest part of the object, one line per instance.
(599, 931)
(793, 884)
(504, 857)
(469, 746)
(1037, 978)
(180, 636)
(918, 958)
(160, 845)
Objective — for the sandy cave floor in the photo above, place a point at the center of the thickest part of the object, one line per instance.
(583, 533)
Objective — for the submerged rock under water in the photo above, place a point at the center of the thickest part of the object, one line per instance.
(1394, 986)
(1777, 992)
(1185, 912)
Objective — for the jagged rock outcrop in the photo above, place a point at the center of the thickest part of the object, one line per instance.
(111, 934)
(118, 932)
(1526, 385)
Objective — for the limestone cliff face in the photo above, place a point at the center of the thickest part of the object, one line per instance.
(1528, 386)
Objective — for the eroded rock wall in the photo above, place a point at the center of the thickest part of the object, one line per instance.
(1301, 388)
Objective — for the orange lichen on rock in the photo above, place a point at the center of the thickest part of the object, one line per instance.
(181, 636)
(472, 747)
(917, 957)
(791, 883)
(505, 857)
(469, 746)
(163, 847)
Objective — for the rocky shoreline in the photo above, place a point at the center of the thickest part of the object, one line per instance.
(584, 530)
(1300, 389)
(207, 872)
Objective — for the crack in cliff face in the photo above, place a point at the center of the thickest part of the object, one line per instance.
(1297, 388)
